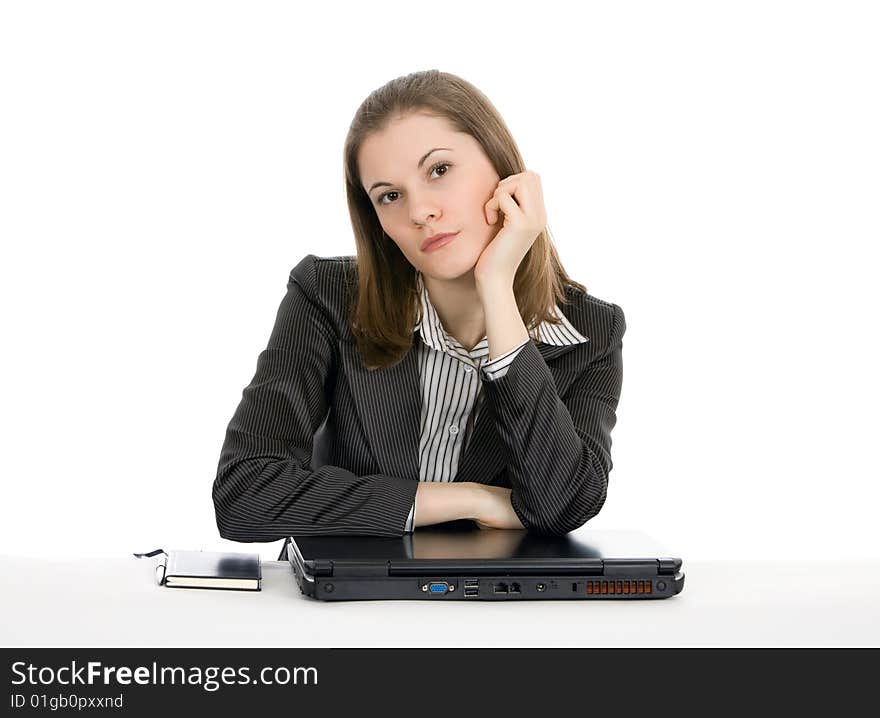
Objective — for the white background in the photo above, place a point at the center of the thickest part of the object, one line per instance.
(710, 167)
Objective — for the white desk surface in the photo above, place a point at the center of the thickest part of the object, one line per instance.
(116, 602)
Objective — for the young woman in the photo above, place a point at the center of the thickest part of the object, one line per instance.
(451, 370)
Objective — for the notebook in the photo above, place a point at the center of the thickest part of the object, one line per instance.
(207, 569)
(458, 560)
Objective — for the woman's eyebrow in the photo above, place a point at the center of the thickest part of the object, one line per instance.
(421, 162)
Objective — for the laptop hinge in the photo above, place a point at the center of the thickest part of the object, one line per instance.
(522, 567)
(320, 567)
(356, 568)
(630, 566)
(669, 565)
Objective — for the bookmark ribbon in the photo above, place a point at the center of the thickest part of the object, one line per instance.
(160, 563)
(152, 553)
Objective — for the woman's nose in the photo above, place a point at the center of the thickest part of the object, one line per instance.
(424, 211)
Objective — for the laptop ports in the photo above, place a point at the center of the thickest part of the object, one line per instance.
(437, 588)
(471, 588)
(501, 587)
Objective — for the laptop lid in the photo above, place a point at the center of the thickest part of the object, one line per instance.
(463, 548)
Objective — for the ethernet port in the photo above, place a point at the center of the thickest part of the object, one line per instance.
(501, 588)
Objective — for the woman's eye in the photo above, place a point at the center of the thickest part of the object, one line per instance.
(435, 167)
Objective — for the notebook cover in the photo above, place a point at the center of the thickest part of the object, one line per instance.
(213, 564)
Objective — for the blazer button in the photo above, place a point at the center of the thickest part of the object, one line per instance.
(453, 429)
(468, 369)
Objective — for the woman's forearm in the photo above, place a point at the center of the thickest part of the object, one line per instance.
(437, 502)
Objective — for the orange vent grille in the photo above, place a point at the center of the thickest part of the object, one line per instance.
(618, 587)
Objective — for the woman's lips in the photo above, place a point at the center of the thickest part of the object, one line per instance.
(440, 243)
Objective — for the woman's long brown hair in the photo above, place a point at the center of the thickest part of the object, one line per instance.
(385, 305)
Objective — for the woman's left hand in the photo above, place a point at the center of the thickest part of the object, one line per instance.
(521, 200)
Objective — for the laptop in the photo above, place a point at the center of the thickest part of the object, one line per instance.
(458, 561)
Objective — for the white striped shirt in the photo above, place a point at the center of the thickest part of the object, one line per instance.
(451, 387)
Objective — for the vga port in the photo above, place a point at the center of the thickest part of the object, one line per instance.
(438, 587)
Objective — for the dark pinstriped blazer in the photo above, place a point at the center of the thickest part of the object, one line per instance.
(321, 445)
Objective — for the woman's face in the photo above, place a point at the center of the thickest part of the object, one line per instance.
(446, 193)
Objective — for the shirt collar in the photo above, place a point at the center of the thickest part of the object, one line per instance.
(435, 336)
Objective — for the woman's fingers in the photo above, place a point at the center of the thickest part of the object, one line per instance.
(524, 199)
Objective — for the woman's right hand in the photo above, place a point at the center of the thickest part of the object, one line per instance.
(494, 510)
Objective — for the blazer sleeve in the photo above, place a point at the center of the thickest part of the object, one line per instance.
(559, 449)
(265, 488)
(497, 368)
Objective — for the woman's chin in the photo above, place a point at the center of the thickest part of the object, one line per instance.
(449, 269)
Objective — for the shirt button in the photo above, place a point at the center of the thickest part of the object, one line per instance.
(468, 369)
(453, 429)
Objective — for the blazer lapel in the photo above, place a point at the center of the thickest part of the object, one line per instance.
(389, 406)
